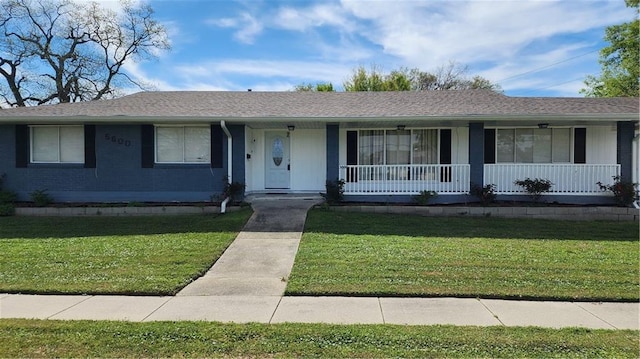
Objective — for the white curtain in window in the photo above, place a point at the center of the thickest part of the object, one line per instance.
(425, 147)
(524, 145)
(561, 145)
(169, 144)
(542, 145)
(72, 144)
(505, 146)
(45, 144)
(398, 147)
(197, 144)
(371, 143)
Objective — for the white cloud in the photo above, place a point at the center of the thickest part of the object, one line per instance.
(248, 27)
(311, 17)
(427, 34)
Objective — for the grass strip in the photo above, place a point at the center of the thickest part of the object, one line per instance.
(365, 254)
(151, 255)
(36, 338)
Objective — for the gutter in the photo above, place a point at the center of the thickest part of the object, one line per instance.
(223, 205)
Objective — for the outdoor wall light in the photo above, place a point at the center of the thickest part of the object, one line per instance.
(400, 127)
(543, 125)
(291, 127)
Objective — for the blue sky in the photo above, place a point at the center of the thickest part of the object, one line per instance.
(531, 48)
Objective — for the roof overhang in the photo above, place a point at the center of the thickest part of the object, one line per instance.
(349, 122)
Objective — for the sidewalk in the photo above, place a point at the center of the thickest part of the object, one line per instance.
(334, 310)
(247, 285)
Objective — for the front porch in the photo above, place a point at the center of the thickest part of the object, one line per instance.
(567, 179)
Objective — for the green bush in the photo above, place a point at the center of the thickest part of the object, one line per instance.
(41, 198)
(486, 194)
(7, 209)
(424, 197)
(335, 191)
(624, 192)
(7, 196)
(535, 187)
(233, 190)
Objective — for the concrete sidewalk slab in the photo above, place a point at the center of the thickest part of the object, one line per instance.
(431, 311)
(618, 315)
(210, 285)
(334, 310)
(257, 257)
(37, 306)
(217, 308)
(113, 308)
(543, 314)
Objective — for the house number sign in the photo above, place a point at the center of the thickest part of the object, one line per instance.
(117, 140)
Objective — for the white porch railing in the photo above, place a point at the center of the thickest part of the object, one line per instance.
(405, 179)
(566, 178)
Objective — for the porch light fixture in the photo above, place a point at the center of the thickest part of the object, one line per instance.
(400, 127)
(291, 127)
(543, 125)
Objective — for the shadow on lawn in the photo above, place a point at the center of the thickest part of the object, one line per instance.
(67, 227)
(327, 221)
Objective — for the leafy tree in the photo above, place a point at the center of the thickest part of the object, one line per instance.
(376, 80)
(620, 61)
(319, 87)
(64, 51)
(449, 77)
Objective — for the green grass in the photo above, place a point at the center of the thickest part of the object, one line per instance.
(365, 254)
(155, 255)
(35, 338)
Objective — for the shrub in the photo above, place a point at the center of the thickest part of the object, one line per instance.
(7, 199)
(41, 198)
(335, 191)
(624, 192)
(486, 194)
(7, 209)
(423, 197)
(233, 190)
(535, 187)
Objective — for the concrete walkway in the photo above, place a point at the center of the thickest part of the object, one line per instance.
(260, 259)
(336, 310)
(247, 285)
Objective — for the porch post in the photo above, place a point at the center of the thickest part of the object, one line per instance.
(624, 151)
(333, 150)
(476, 153)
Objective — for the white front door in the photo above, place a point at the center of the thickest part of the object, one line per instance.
(277, 169)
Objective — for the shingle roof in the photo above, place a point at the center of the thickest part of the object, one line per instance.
(325, 105)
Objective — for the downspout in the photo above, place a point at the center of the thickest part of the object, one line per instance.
(223, 205)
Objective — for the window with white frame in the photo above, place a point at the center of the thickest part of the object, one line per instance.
(183, 144)
(533, 145)
(392, 147)
(57, 144)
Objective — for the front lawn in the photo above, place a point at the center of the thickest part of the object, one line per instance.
(155, 255)
(36, 338)
(365, 254)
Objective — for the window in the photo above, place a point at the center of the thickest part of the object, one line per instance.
(183, 144)
(57, 144)
(394, 147)
(533, 145)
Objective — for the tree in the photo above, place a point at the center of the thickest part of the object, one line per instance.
(375, 80)
(452, 76)
(619, 61)
(64, 51)
(319, 87)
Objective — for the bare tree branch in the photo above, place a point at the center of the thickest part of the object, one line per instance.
(66, 51)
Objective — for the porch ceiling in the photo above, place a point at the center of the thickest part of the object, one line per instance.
(352, 123)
